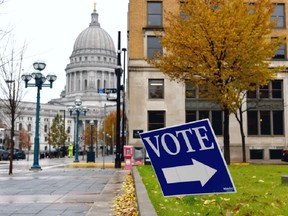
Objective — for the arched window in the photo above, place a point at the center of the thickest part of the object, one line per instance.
(29, 127)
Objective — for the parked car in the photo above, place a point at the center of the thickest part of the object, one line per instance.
(2, 152)
(285, 155)
(18, 154)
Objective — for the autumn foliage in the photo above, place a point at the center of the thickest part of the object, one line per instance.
(125, 204)
(221, 46)
(24, 139)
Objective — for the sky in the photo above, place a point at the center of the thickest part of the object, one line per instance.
(50, 28)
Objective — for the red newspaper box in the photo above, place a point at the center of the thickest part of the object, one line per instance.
(128, 154)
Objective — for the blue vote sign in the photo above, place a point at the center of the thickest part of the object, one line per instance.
(187, 160)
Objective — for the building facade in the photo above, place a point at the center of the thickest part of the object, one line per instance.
(156, 102)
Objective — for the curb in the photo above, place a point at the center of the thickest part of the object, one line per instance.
(144, 204)
(84, 164)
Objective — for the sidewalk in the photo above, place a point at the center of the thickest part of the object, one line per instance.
(63, 187)
(58, 189)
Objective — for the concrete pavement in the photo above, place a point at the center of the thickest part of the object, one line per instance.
(58, 189)
(63, 188)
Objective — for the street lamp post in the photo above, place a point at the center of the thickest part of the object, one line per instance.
(77, 110)
(123, 111)
(91, 153)
(39, 83)
(118, 74)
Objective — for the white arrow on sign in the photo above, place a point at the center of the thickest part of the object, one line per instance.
(188, 173)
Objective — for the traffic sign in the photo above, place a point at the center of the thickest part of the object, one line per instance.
(187, 160)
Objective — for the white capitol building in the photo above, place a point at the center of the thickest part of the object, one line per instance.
(91, 67)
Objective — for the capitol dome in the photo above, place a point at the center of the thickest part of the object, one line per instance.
(94, 38)
(91, 69)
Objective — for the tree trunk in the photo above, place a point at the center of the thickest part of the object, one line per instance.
(242, 136)
(226, 136)
(240, 121)
(11, 146)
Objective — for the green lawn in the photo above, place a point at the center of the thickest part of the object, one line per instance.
(259, 192)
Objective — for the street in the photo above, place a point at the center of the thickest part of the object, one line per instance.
(58, 189)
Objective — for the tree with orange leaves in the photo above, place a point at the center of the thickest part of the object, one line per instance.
(222, 46)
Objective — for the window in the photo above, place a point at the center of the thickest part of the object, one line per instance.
(280, 54)
(278, 127)
(193, 91)
(271, 91)
(217, 122)
(20, 127)
(153, 46)
(252, 123)
(190, 90)
(265, 113)
(279, 15)
(277, 89)
(69, 130)
(154, 13)
(191, 115)
(264, 92)
(265, 122)
(29, 118)
(215, 117)
(29, 127)
(45, 128)
(156, 120)
(156, 88)
(256, 154)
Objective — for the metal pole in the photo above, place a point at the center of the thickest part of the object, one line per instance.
(96, 140)
(118, 73)
(91, 139)
(123, 113)
(65, 133)
(77, 131)
(112, 139)
(104, 145)
(36, 138)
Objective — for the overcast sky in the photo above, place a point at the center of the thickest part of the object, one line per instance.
(50, 28)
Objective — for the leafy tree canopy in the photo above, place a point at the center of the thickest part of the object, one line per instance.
(57, 135)
(223, 46)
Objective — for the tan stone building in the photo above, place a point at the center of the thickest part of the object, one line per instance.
(155, 102)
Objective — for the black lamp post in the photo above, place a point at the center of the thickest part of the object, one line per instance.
(123, 111)
(118, 74)
(77, 110)
(39, 83)
(91, 153)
